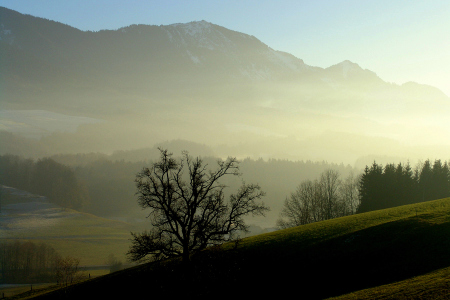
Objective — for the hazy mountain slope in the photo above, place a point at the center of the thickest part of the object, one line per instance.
(197, 58)
(141, 54)
(202, 82)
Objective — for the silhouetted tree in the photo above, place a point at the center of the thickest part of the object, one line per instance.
(370, 187)
(349, 194)
(319, 200)
(67, 270)
(303, 206)
(330, 186)
(440, 180)
(188, 211)
(114, 263)
(392, 185)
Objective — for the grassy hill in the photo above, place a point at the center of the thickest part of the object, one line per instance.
(314, 261)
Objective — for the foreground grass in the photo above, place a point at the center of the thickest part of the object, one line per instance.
(315, 261)
(434, 285)
(27, 291)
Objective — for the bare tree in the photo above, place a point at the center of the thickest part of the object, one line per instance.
(350, 194)
(188, 211)
(330, 184)
(303, 206)
(320, 200)
(67, 270)
(114, 263)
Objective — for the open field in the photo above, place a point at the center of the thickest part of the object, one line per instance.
(12, 290)
(23, 291)
(85, 236)
(314, 261)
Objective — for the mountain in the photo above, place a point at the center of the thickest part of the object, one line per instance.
(201, 82)
(166, 48)
(349, 71)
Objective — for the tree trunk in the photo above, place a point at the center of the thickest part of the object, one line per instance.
(186, 256)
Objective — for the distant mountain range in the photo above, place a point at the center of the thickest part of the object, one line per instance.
(41, 54)
(180, 71)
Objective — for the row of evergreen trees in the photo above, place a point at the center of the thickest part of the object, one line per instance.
(394, 185)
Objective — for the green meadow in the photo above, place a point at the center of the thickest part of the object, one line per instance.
(403, 250)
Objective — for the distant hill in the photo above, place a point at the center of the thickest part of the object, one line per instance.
(313, 261)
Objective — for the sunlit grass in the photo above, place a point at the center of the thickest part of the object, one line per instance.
(434, 212)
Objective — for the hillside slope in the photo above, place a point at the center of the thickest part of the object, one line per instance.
(314, 261)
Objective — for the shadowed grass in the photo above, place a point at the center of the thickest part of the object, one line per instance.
(434, 285)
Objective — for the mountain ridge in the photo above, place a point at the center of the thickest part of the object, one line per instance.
(202, 82)
(196, 34)
(202, 44)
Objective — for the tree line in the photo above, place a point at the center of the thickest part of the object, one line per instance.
(23, 262)
(376, 188)
(394, 185)
(106, 187)
(45, 177)
(28, 262)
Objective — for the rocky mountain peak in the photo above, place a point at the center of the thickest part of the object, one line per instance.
(195, 28)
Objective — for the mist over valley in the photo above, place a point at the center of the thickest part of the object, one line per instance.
(204, 83)
(86, 117)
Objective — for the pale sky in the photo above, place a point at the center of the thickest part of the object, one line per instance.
(400, 40)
